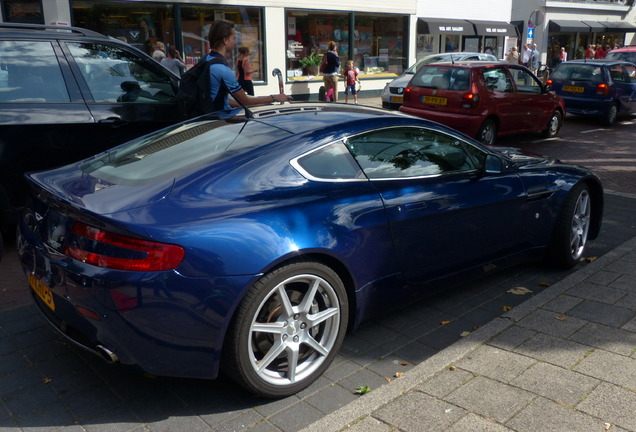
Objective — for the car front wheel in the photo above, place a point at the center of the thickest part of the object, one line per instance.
(554, 125)
(287, 329)
(571, 229)
(487, 132)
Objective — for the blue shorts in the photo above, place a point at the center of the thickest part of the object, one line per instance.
(351, 87)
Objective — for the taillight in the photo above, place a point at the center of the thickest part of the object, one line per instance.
(602, 89)
(109, 250)
(548, 82)
(470, 100)
(407, 94)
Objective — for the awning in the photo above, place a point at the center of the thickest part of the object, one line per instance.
(618, 26)
(494, 28)
(595, 26)
(444, 26)
(568, 26)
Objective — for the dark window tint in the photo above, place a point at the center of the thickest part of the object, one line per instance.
(409, 152)
(30, 72)
(331, 162)
(442, 78)
(116, 75)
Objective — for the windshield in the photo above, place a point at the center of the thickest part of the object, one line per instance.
(180, 149)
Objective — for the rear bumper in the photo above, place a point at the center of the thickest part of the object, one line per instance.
(587, 106)
(467, 124)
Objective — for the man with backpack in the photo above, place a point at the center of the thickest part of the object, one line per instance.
(222, 80)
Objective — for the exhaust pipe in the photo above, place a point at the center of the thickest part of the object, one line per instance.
(109, 356)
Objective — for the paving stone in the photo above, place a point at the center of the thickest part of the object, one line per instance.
(560, 352)
(545, 322)
(495, 363)
(119, 419)
(474, 423)
(603, 277)
(562, 303)
(241, 422)
(344, 369)
(631, 325)
(622, 267)
(367, 424)
(610, 367)
(445, 382)
(182, 423)
(490, 398)
(264, 426)
(363, 377)
(610, 315)
(628, 302)
(625, 282)
(512, 337)
(547, 416)
(389, 366)
(296, 417)
(426, 413)
(331, 398)
(613, 404)
(608, 338)
(271, 407)
(555, 383)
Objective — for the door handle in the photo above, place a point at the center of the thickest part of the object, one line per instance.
(113, 121)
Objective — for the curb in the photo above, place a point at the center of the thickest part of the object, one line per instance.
(370, 402)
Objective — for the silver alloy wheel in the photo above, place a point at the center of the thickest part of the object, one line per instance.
(555, 124)
(580, 224)
(294, 329)
(487, 133)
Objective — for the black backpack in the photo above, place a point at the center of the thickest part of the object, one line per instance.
(193, 97)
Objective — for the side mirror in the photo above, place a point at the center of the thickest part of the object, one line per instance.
(493, 165)
(547, 88)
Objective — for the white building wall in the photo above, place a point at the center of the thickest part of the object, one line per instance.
(489, 10)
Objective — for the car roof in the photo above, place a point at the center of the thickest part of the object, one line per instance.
(595, 62)
(470, 64)
(41, 31)
(631, 48)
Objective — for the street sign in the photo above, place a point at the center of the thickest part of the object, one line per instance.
(530, 33)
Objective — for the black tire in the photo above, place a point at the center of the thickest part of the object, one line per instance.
(571, 229)
(611, 115)
(487, 133)
(1, 246)
(267, 331)
(554, 125)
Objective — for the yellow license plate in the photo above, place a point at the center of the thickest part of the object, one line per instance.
(42, 291)
(574, 89)
(397, 99)
(434, 100)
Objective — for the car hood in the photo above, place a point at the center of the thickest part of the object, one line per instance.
(82, 190)
(401, 81)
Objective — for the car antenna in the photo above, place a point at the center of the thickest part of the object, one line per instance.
(248, 113)
(452, 59)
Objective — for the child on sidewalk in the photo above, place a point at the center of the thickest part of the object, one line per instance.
(351, 77)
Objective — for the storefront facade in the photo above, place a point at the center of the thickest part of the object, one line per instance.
(575, 25)
(280, 34)
(464, 25)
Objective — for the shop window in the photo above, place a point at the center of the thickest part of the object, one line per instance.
(375, 43)
(248, 24)
(23, 11)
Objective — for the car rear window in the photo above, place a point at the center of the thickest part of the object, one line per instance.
(578, 72)
(442, 78)
(179, 149)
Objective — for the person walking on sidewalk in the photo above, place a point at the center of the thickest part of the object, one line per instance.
(330, 71)
(222, 38)
(351, 78)
(244, 70)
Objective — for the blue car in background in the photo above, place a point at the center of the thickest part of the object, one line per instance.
(251, 242)
(602, 88)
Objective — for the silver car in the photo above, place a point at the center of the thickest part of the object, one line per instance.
(392, 95)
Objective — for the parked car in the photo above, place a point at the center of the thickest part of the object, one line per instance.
(393, 92)
(484, 99)
(252, 243)
(601, 88)
(68, 93)
(626, 54)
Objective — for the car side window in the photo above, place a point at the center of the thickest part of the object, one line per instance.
(116, 75)
(30, 72)
(525, 81)
(496, 79)
(630, 70)
(617, 73)
(332, 162)
(408, 152)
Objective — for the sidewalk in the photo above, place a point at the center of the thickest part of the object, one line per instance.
(565, 360)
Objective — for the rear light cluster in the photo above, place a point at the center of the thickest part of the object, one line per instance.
(470, 100)
(114, 251)
(602, 90)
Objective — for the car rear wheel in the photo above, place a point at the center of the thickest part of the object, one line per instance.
(287, 330)
(554, 125)
(611, 115)
(487, 132)
(571, 229)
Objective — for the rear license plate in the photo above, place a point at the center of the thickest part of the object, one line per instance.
(434, 100)
(574, 89)
(42, 291)
(397, 99)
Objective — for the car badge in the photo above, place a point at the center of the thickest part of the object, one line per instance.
(434, 92)
(400, 90)
(38, 217)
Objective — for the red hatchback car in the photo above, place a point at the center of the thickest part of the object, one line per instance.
(484, 99)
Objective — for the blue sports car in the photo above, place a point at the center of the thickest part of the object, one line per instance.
(250, 243)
